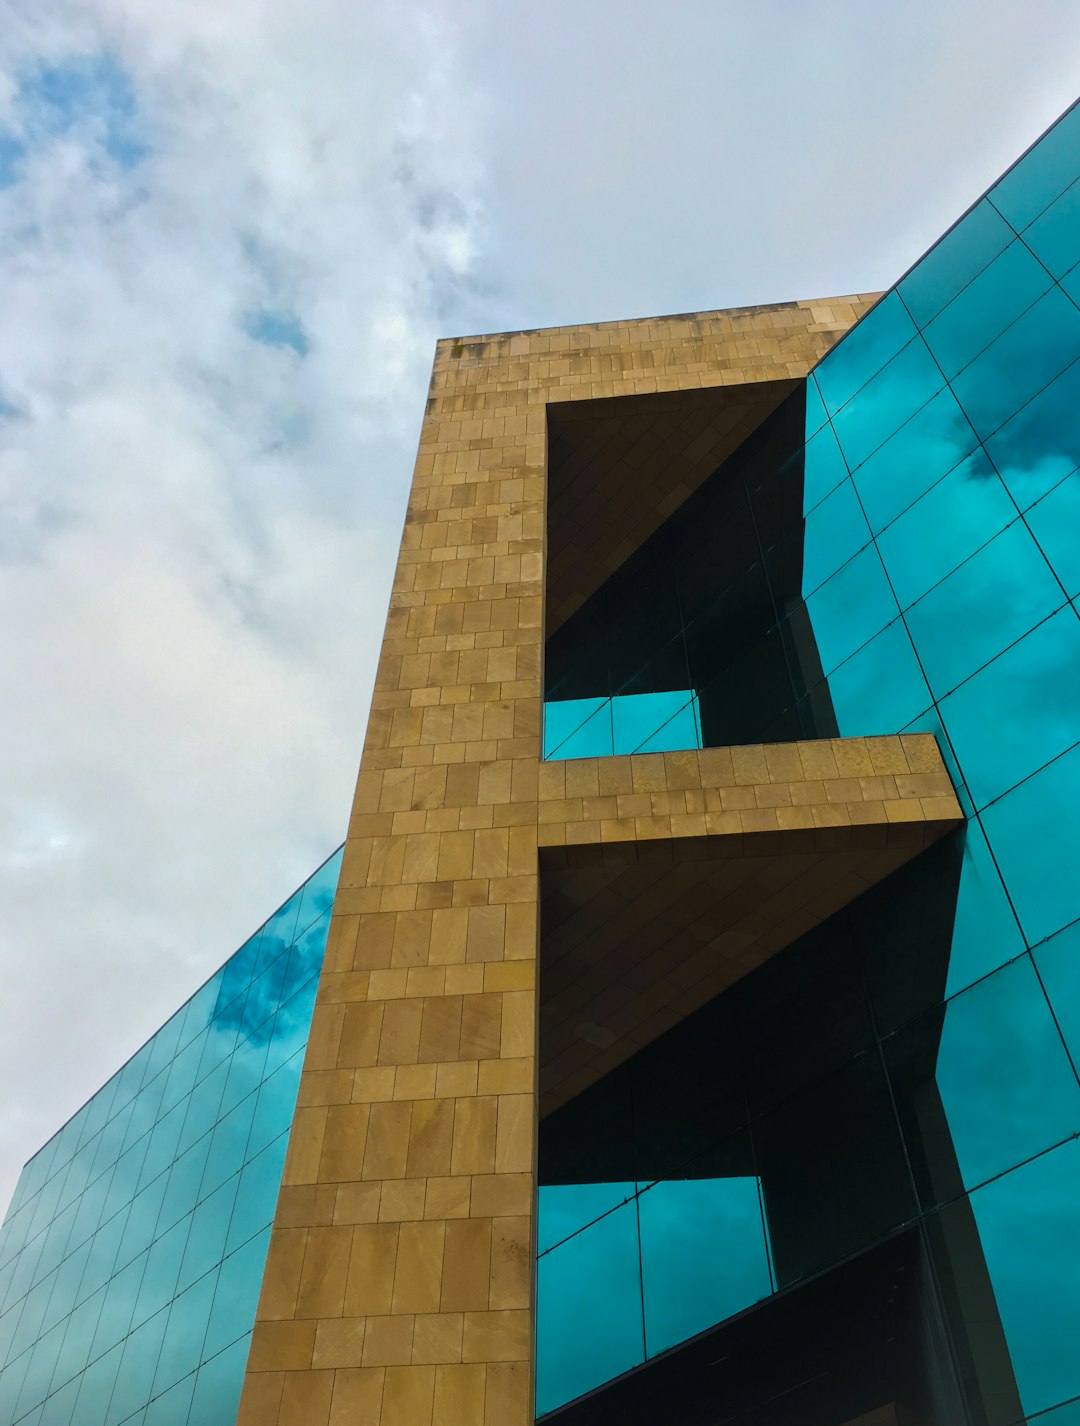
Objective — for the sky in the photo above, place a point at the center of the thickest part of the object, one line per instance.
(229, 238)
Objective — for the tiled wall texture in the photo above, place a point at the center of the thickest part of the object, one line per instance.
(398, 1288)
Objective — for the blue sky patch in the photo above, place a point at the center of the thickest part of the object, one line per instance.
(277, 329)
(91, 93)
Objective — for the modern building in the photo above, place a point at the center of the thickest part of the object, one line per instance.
(698, 1020)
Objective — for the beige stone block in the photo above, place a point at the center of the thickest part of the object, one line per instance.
(459, 1395)
(261, 1399)
(481, 1026)
(387, 1148)
(437, 1337)
(339, 1342)
(408, 1394)
(344, 1142)
(281, 1276)
(357, 1399)
(281, 1346)
(509, 1395)
(418, 1274)
(387, 1343)
(372, 1260)
(401, 1200)
(496, 1336)
(430, 1138)
(511, 1263)
(414, 1081)
(474, 1135)
(466, 1265)
(305, 1398)
(325, 1271)
(447, 1197)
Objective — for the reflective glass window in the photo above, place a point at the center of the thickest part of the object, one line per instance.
(886, 402)
(984, 308)
(985, 933)
(1054, 238)
(578, 728)
(1058, 963)
(1029, 1229)
(1035, 836)
(1040, 445)
(824, 467)
(935, 440)
(1055, 523)
(983, 1083)
(563, 1209)
(850, 608)
(596, 1332)
(836, 529)
(1019, 711)
(880, 688)
(704, 1255)
(1035, 180)
(1025, 358)
(959, 515)
(958, 258)
(989, 602)
(869, 346)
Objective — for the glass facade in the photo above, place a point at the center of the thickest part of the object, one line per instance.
(133, 1251)
(895, 550)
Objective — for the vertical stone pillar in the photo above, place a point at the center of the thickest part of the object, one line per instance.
(399, 1283)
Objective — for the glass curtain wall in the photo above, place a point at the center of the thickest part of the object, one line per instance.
(132, 1255)
(939, 572)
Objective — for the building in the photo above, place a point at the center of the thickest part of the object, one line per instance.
(731, 682)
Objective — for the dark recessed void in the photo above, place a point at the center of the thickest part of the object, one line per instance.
(784, 1161)
(712, 602)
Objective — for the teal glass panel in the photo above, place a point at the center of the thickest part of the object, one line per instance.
(216, 1398)
(115, 1291)
(1035, 836)
(181, 1345)
(563, 1209)
(1054, 238)
(1029, 1228)
(996, 1062)
(1046, 170)
(992, 600)
(172, 1407)
(236, 1293)
(1040, 445)
(1055, 523)
(886, 402)
(588, 1320)
(836, 529)
(868, 347)
(959, 515)
(958, 258)
(985, 930)
(824, 467)
(981, 312)
(1019, 711)
(577, 728)
(655, 722)
(850, 608)
(935, 440)
(704, 1255)
(879, 689)
(1058, 963)
(1025, 358)
(816, 415)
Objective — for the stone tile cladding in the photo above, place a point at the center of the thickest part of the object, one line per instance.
(398, 1288)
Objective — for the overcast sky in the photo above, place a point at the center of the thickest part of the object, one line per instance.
(230, 234)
